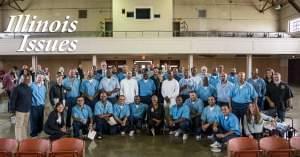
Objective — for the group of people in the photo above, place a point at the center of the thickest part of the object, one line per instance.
(184, 102)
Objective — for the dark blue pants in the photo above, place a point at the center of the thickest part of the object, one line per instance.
(260, 103)
(102, 127)
(209, 131)
(157, 127)
(196, 125)
(118, 128)
(226, 138)
(146, 99)
(281, 114)
(184, 126)
(135, 123)
(36, 120)
(240, 109)
(70, 102)
(77, 126)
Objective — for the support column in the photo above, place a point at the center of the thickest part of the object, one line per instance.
(94, 60)
(34, 63)
(190, 63)
(249, 66)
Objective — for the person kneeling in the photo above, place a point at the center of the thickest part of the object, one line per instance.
(55, 124)
(179, 120)
(121, 115)
(226, 128)
(82, 118)
(103, 114)
(137, 116)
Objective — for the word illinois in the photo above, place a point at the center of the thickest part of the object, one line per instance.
(27, 24)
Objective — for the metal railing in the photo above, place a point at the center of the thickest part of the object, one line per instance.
(152, 34)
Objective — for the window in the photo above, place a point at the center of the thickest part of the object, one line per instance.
(202, 13)
(143, 13)
(294, 25)
(82, 14)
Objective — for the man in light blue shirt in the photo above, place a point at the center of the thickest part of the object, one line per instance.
(146, 89)
(226, 128)
(186, 85)
(242, 95)
(103, 113)
(214, 79)
(72, 86)
(224, 90)
(179, 119)
(137, 115)
(232, 77)
(196, 107)
(206, 91)
(82, 116)
(37, 107)
(110, 85)
(209, 116)
(89, 89)
(260, 87)
(121, 115)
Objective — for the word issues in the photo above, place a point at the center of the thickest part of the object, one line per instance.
(27, 24)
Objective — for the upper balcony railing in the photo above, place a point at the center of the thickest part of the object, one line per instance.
(152, 34)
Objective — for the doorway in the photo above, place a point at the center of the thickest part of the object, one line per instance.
(293, 74)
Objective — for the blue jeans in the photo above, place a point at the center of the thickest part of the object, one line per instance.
(102, 127)
(184, 126)
(77, 126)
(135, 123)
(36, 120)
(70, 102)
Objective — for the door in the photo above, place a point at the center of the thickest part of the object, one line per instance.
(108, 29)
(293, 72)
(176, 29)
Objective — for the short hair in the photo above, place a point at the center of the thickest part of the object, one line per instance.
(225, 105)
(80, 96)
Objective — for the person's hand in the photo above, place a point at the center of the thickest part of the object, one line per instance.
(171, 123)
(90, 98)
(109, 93)
(90, 126)
(63, 129)
(220, 135)
(250, 136)
(205, 126)
(272, 105)
(215, 129)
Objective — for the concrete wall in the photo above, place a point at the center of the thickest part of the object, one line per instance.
(51, 10)
(286, 14)
(123, 23)
(241, 15)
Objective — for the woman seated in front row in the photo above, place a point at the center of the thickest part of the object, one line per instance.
(55, 125)
(254, 121)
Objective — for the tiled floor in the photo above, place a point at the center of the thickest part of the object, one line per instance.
(143, 145)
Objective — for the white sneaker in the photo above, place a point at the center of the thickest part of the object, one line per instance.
(216, 144)
(198, 138)
(216, 150)
(131, 133)
(172, 132)
(153, 131)
(177, 133)
(185, 137)
(99, 137)
(123, 133)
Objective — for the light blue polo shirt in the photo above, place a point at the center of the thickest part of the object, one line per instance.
(74, 85)
(146, 87)
(243, 94)
(138, 110)
(89, 87)
(205, 92)
(210, 114)
(195, 106)
(109, 85)
(230, 123)
(101, 108)
(121, 111)
(82, 113)
(38, 94)
(180, 112)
